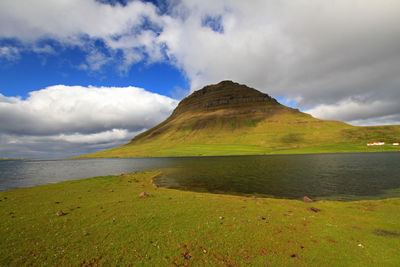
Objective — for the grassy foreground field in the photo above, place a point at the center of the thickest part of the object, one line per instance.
(106, 223)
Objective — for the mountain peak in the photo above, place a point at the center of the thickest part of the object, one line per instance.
(228, 88)
(218, 106)
(224, 95)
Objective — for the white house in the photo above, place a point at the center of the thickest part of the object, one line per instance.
(379, 144)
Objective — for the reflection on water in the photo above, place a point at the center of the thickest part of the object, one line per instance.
(319, 176)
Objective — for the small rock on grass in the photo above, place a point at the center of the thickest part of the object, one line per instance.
(143, 194)
(315, 209)
(187, 255)
(60, 213)
(307, 199)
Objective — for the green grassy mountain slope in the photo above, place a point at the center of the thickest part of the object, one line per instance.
(232, 119)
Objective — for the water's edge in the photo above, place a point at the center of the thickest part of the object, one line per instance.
(343, 177)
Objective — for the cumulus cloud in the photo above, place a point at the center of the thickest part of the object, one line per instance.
(72, 109)
(98, 117)
(360, 113)
(57, 146)
(69, 20)
(81, 22)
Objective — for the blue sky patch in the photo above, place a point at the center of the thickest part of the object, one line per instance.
(214, 23)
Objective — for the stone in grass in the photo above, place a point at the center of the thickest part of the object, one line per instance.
(315, 209)
(307, 199)
(143, 195)
(60, 213)
(187, 255)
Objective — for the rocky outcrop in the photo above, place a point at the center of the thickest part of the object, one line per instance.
(224, 95)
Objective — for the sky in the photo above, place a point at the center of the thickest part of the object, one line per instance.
(79, 76)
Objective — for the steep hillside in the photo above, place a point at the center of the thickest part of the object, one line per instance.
(232, 119)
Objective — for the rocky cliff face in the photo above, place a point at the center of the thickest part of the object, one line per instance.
(224, 95)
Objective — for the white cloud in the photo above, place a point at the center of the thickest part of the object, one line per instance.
(97, 116)
(359, 112)
(76, 138)
(95, 60)
(96, 138)
(9, 53)
(62, 145)
(68, 20)
(44, 49)
(79, 23)
(76, 109)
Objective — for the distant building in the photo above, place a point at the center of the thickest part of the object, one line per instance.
(395, 144)
(378, 144)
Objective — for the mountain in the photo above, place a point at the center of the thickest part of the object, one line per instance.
(233, 119)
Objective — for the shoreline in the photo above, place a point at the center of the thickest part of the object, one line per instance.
(233, 155)
(216, 155)
(238, 194)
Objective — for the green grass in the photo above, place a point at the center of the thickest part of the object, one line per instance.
(106, 223)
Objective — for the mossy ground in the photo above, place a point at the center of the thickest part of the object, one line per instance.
(106, 223)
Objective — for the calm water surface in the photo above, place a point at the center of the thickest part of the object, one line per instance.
(320, 176)
(25, 173)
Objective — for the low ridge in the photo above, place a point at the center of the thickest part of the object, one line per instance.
(233, 119)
